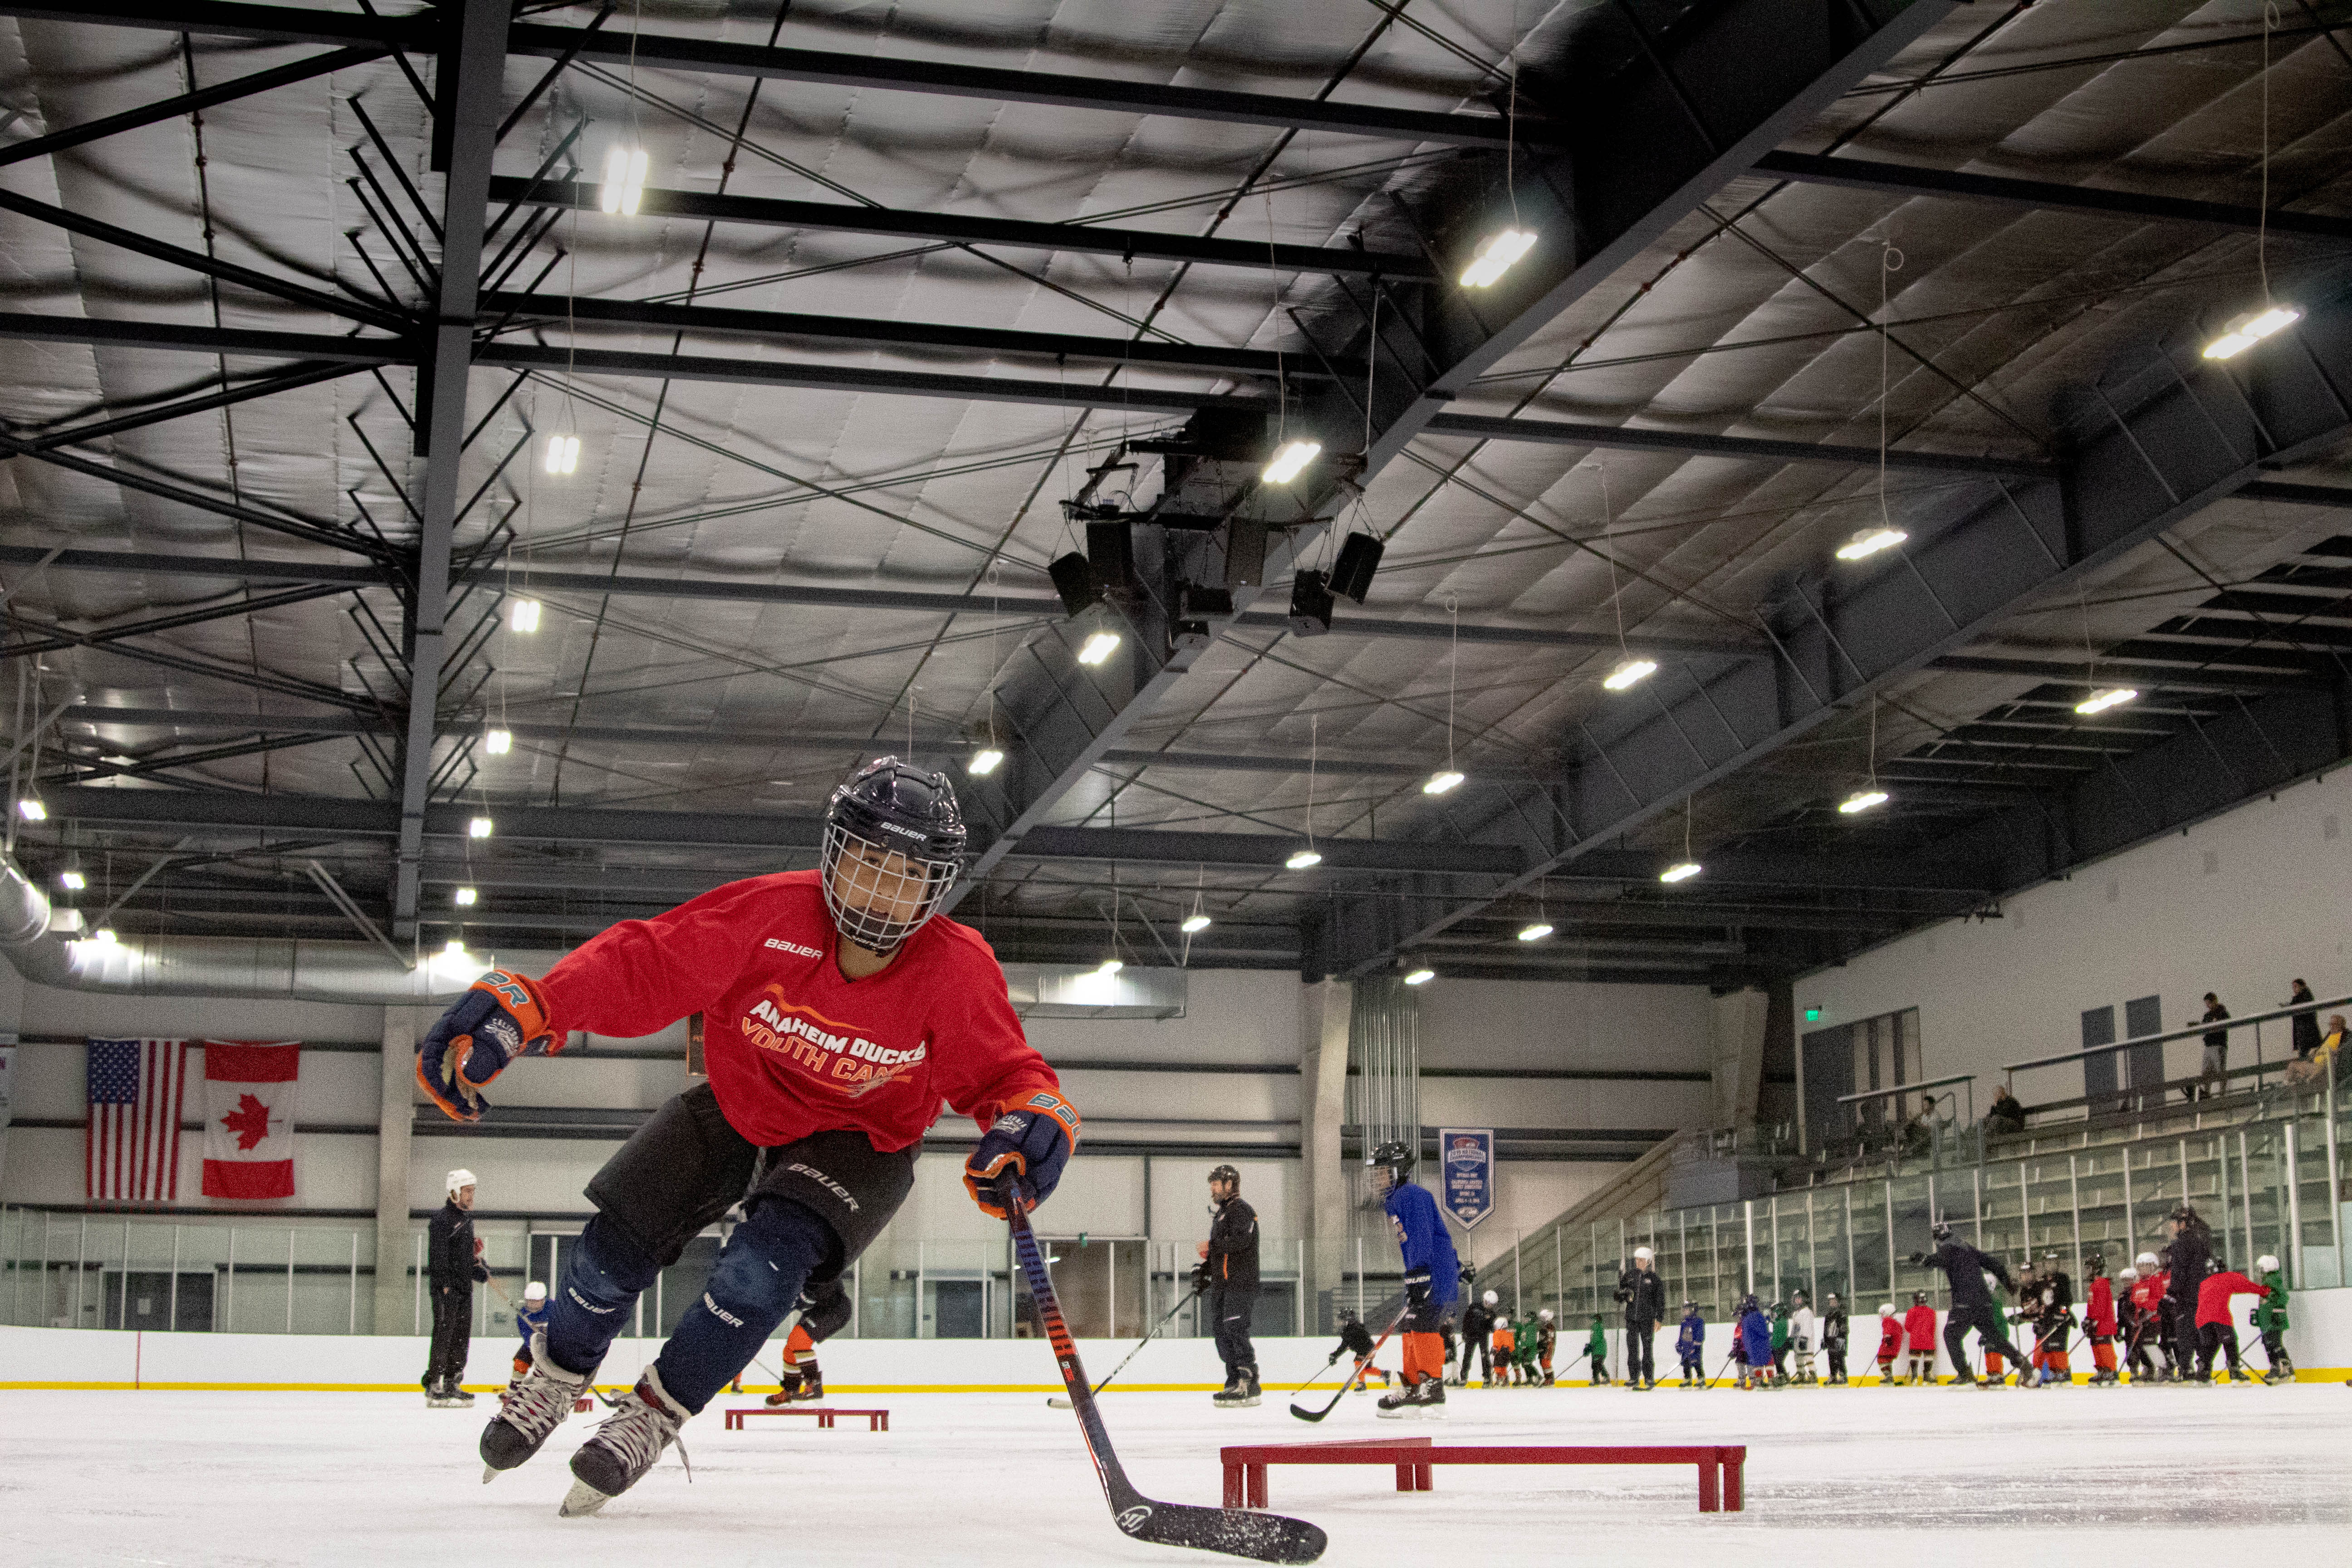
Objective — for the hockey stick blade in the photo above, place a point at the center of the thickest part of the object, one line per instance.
(1237, 1533)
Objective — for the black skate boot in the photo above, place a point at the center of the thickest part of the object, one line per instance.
(1429, 1399)
(625, 1448)
(1397, 1404)
(800, 1386)
(2282, 1371)
(1240, 1390)
(1964, 1378)
(534, 1410)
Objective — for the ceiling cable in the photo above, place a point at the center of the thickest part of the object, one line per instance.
(1890, 262)
(1452, 664)
(2263, 210)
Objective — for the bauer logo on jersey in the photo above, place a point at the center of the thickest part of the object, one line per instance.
(833, 1051)
(780, 946)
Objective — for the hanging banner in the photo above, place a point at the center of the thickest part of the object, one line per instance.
(1466, 1155)
(250, 1117)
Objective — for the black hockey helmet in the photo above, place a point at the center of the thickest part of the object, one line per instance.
(890, 808)
(1227, 1173)
(1395, 1158)
(1469, 1274)
(1941, 1230)
(1690, 1306)
(1918, 1297)
(2094, 1264)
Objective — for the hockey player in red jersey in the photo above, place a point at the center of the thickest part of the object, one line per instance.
(841, 1011)
(1890, 1344)
(1919, 1331)
(2099, 1320)
(2215, 1332)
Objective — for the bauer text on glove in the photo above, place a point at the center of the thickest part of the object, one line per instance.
(1023, 1152)
(502, 1015)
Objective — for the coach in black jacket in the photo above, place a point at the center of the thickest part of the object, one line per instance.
(1644, 1295)
(1227, 1280)
(453, 1265)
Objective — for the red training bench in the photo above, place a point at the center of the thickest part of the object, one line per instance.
(875, 1420)
(1721, 1467)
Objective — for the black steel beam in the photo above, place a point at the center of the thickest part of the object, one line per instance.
(191, 102)
(1525, 636)
(45, 641)
(473, 61)
(2143, 677)
(956, 79)
(2159, 438)
(415, 30)
(850, 379)
(314, 531)
(234, 342)
(516, 310)
(2337, 496)
(1621, 437)
(955, 228)
(1913, 180)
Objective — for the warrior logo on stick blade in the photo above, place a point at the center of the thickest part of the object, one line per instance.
(1237, 1533)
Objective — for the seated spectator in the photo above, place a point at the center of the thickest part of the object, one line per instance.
(1919, 1133)
(2007, 1115)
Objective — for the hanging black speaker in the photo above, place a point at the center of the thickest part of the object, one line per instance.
(1360, 557)
(1111, 548)
(1310, 605)
(1074, 581)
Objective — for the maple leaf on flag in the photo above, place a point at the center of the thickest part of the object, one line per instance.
(249, 1121)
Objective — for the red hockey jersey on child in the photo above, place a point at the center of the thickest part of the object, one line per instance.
(791, 1046)
(2213, 1295)
(1920, 1322)
(2148, 1290)
(2100, 1314)
(1890, 1338)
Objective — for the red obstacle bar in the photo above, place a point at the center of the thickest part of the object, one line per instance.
(875, 1420)
(1721, 1467)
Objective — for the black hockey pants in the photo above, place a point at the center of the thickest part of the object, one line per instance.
(2215, 1338)
(453, 1327)
(1987, 1324)
(1639, 1361)
(1231, 1309)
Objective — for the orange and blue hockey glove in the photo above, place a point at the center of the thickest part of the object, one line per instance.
(501, 1016)
(1023, 1152)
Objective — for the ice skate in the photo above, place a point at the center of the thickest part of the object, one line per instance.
(625, 1448)
(2238, 1375)
(1429, 1399)
(1963, 1378)
(534, 1409)
(1397, 1404)
(799, 1387)
(1240, 1392)
(444, 1396)
(2283, 1373)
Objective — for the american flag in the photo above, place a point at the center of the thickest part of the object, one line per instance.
(133, 1143)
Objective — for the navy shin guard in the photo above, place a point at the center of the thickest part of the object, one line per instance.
(602, 1278)
(758, 1276)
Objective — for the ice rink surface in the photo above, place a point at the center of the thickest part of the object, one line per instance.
(1914, 1476)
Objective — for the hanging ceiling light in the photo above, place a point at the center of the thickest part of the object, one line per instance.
(1194, 923)
(1110, 966)
(1681, 872)
(2248, 330)
(2101, 700)
(522, 615)
(72, 881)
(1630, 673)
(1863, 800)
(479, 827)
(1290, 460)
(1099, 647)
(563, 453)
(103, 935)
(1535, 932)
(984, 762)
(1870, 542)
(498, 742)
(1302, 859)
(1421, 977)
(625, 179)
(465, 898)
(31, 809)
(1494, 255)
(454, 948)
(1442, 781)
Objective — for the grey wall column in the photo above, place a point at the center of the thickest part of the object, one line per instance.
(1736, 1053)
(1323, 1013)
(395, 1113)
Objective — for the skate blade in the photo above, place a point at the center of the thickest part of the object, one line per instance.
(489, 1474)
(582, 1500)
(1059, 1403)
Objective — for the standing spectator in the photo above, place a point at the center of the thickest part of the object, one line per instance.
(2212, 1073)
(1690, 1345)
(1890, 1344)
(2007, 1115)
(1833, 1337)
(452, 1266)
(2307, 1022)
(1644, 1295)
(2270, 1319)
(1227, 1280)
(1919, 1333)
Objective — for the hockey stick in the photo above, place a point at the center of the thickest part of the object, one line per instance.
(1237, 1532)
(1354, 1376)
(1059, 1403)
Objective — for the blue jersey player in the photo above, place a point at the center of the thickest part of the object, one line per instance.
(1431, 1276)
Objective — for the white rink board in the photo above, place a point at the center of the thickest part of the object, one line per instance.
(1924, 1477)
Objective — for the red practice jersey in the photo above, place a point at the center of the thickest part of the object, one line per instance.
(2100, 1317)
(792, 1047)
(1890, 1338)
(1921, 1323)
(2149, 1289)
(2213, 1295)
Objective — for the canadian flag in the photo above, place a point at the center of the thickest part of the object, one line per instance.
(250, 1117)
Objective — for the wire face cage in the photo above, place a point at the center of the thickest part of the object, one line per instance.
(878, 894)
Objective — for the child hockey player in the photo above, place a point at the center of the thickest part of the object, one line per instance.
(1357, 1341)
(1596, 1352)
(1432, 1276)
(529, 1317)
(1547, 1338)
(843, 1011)
(2052, 1307)
(1506, 1341)
(2215, 1332)
(1755, 1333)
(2128, 1321)
(1802, 1328)
(1833, 1337)
(2099, 1320)
(2151, 1358)
(1690, 1345)
(2270, 1320)
(1890, 1342)
(1779, 1344)
(1523, 1352)
(1478, 1339)
(821, 1314)
(1919, 1339)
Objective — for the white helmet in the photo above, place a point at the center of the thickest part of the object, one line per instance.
(2146, 1260)
(2129, 1274)
(458, 1179)
(2266, 1263)
(1490, 1298)
(1887, 1309)
(1544, 1315)
(1643, 1255)
(535, 1291)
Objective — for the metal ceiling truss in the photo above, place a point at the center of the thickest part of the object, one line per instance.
(2155, 442)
